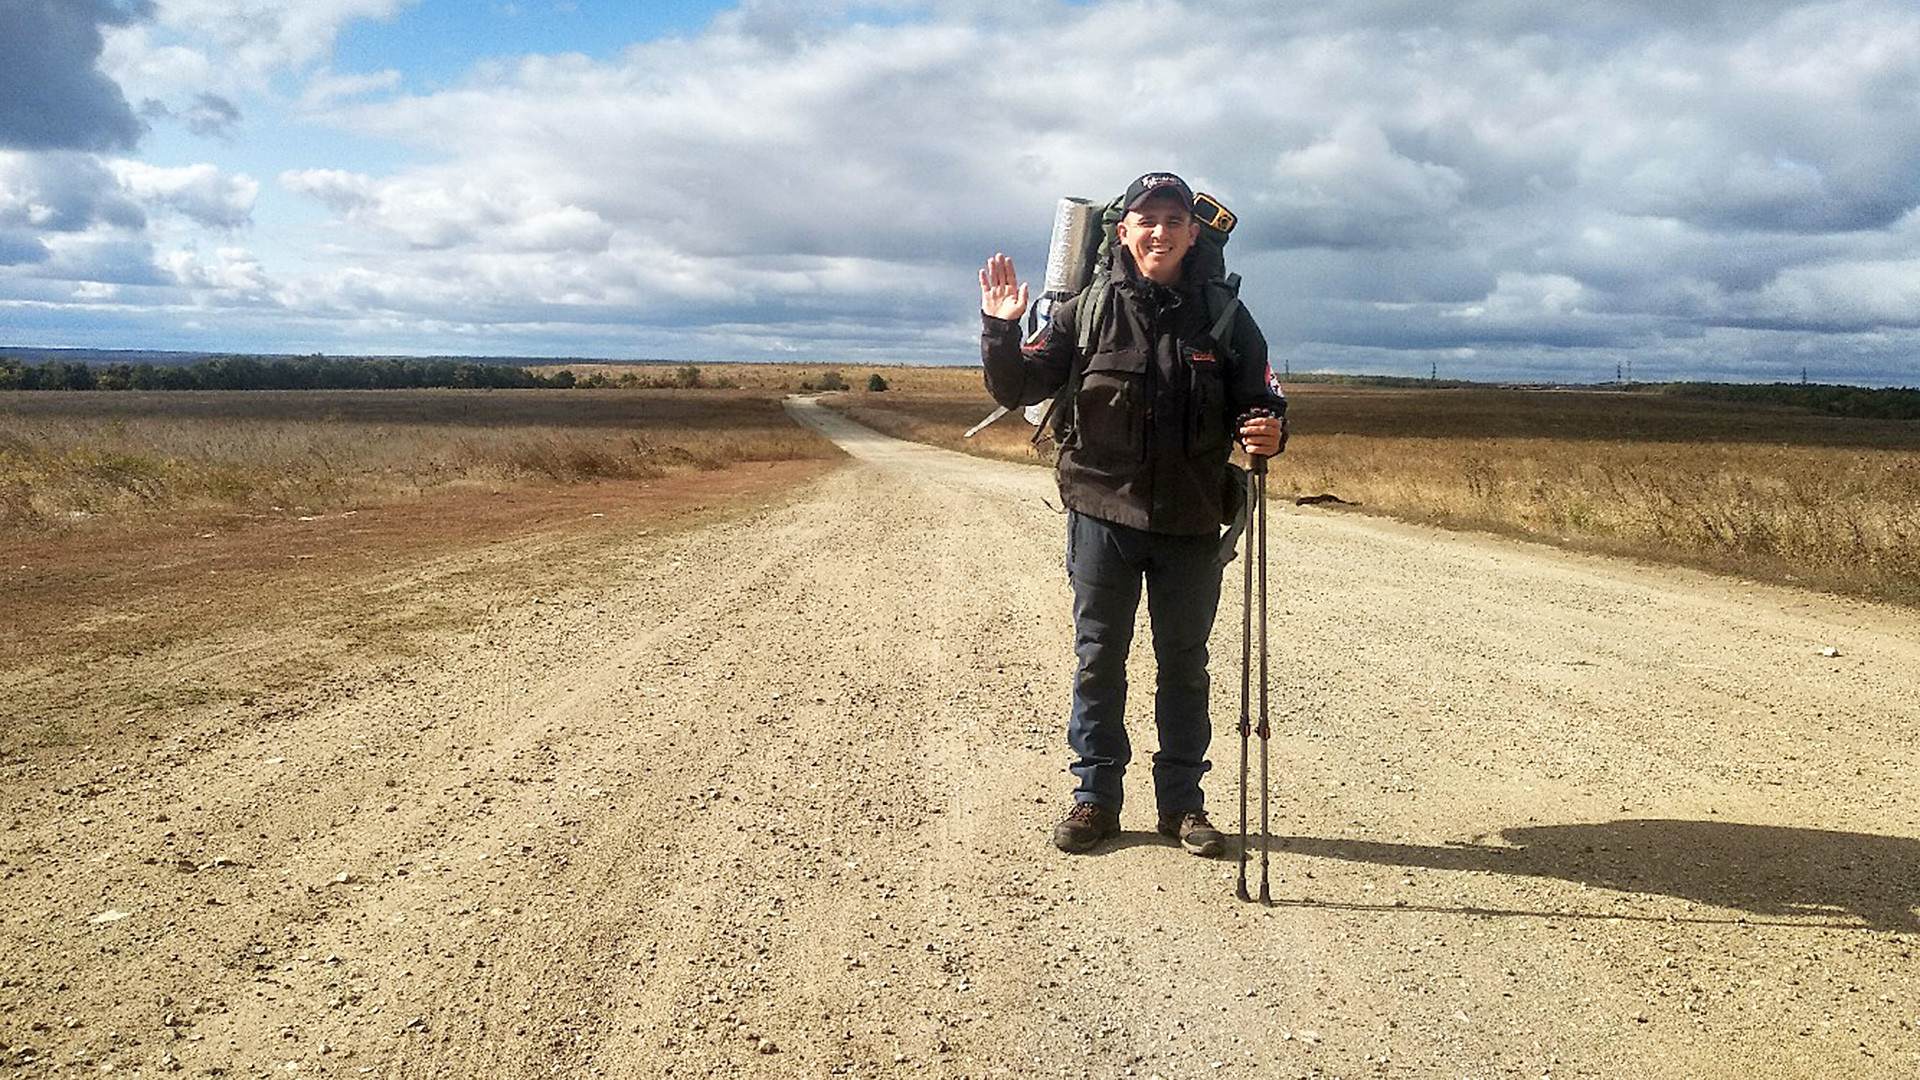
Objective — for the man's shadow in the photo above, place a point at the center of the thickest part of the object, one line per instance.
(1765, 870)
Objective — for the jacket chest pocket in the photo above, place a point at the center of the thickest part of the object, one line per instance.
(1111, 407)
(1206, 405)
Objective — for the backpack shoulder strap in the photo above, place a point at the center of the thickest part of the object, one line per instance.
(1225, 293)
(1098, 295)
(1058, 421)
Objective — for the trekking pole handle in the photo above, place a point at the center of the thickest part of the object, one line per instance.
(1258, 462)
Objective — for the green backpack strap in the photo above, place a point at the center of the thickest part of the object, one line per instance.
(1229, 287)
(1105, 255)
(1100, 294)
(1058, 421)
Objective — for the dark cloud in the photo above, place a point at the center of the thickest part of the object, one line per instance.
(51, 95)
(114, 261)
(212, 114)
(64, 193)
(209, 115)
(19, 247)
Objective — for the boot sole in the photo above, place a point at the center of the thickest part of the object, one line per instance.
(1209, 849)
(1081, 848)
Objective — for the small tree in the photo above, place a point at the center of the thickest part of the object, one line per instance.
(875, 383)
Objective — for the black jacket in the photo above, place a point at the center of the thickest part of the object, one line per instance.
(1158, 407)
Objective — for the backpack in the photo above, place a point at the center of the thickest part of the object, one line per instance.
(1206, 265)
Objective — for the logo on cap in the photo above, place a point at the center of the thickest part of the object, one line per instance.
(1155, 184)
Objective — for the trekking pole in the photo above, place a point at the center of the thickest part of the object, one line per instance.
(1258, 482)
(1246, 675)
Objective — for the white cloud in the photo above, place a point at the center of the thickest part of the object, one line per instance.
(1353, 189)
(152, 70)
(560, 228)
(434, 211)
(107, 226)
(231, 275)
(342, 191)
(220, 45)
(1521, 297)
(1855, 295)
(201, 192)
(326, 88)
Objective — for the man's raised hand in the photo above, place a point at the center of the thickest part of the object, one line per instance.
(1002, 294)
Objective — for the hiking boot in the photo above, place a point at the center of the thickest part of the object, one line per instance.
(1194, 832)
(1084, 827)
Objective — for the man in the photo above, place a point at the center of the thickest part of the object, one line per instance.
(1156, 404)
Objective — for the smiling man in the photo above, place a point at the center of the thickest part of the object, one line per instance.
(1159, 228)
(1155, 403)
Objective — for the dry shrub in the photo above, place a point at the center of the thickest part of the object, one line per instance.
(570, 460)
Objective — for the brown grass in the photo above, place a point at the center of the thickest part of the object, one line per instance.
(1770, 493)
(69, 459)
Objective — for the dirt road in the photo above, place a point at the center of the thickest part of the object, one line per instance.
(770, 798)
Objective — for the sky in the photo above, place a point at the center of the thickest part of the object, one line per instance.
(1482, 189)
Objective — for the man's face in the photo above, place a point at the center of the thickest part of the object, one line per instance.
(1158, 235)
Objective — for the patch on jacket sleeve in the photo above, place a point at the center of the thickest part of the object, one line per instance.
(1037, 343)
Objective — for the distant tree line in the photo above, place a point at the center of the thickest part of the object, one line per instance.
(1856, 402)
(364, 373)
(277, 373)
(333, 373)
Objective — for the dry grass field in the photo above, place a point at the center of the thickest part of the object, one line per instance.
(1775, 494)
(78, 459)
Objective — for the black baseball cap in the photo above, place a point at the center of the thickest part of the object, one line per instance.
(1158, 183)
